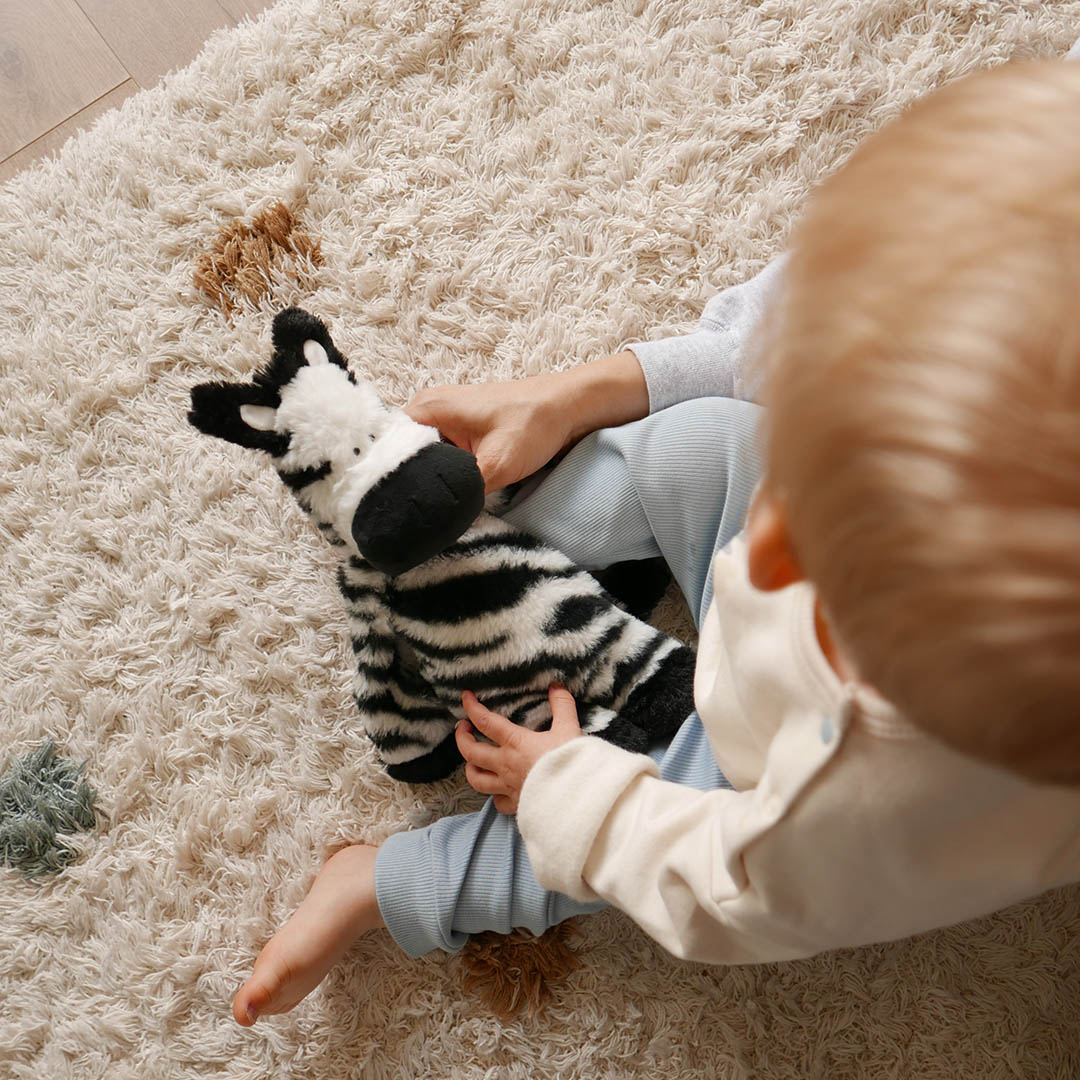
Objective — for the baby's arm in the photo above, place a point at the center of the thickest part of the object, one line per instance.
(713, 361)
(515, 428)
(662, 836)
(787, 869)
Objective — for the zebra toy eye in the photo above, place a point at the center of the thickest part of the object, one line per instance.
(356, 450)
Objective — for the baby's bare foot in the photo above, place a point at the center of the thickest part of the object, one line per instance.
(339, 907)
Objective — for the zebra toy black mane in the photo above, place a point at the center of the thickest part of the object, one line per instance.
(441, 595)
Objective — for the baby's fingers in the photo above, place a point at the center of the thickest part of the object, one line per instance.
(497, 728)
(564, 717)
(487, 783)
(483, 755)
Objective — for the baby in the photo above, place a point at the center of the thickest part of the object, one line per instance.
(887, 735)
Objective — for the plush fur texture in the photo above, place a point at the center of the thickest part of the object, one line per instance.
(498, 188)
(441, 596)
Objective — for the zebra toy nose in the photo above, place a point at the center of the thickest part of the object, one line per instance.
(419, 509)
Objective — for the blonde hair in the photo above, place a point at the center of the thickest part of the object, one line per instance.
(924, 423)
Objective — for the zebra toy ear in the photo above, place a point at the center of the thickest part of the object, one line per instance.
(300, 338)
(240, 413)
(243, 413)
(293, 326)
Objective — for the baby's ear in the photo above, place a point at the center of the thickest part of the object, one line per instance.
(238, 413)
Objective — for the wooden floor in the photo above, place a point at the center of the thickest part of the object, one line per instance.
(64, 62)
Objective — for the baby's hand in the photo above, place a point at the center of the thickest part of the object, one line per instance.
(500, 770)
(512, 428)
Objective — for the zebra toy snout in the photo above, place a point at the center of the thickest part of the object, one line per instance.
(420, 509)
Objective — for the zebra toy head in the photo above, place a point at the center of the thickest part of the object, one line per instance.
(387, 486)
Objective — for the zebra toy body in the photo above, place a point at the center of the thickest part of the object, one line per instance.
(441, 595)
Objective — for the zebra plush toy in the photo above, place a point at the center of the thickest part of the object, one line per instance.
(441, 595)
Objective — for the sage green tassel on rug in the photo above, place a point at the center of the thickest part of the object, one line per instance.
(42, 796)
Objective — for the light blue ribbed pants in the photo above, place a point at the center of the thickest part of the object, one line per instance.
(676, 484)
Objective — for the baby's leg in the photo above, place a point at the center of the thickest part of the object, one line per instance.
(339, 907)
(677, 484)
(470, 873)
(432, 888)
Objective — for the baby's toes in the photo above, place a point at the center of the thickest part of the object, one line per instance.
(257, 995)
(244, 1007)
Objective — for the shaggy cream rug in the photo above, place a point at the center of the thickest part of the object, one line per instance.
(482, 189)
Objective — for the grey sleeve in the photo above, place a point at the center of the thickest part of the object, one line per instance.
(709, 362)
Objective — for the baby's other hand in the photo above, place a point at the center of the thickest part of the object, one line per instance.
(500, 770)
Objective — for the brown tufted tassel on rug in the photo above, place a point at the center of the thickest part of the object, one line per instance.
(511, 972)
(244, 257)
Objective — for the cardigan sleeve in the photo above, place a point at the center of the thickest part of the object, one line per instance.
(823, 853)
(711, 361)
(598, 823)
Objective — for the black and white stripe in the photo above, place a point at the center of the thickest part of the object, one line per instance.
(503, 615)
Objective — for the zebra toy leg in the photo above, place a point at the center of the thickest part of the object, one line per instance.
(399, 713)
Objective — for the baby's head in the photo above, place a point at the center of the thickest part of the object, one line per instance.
(924, 424)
